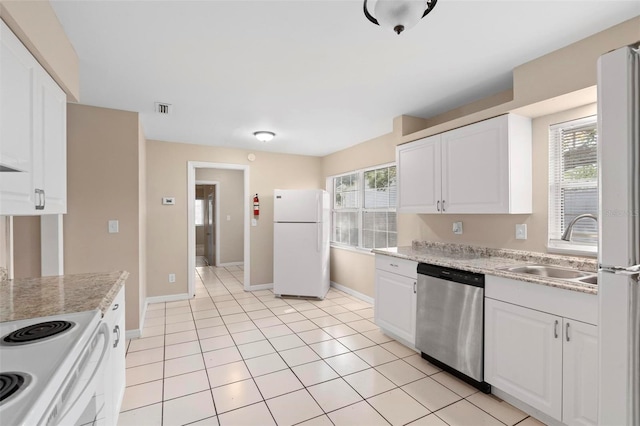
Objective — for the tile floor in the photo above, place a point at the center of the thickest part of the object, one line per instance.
(230, 357)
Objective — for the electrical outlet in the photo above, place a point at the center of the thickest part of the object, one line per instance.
(113, 227)
(172, 278)
(521, 231)
(457, 228)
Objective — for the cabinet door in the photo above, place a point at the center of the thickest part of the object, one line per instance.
(419, 176)
(395, 308)
(475, 168)
(17, 109)
(53, 147)
(523, 355)
(116, 376)
(580, 373)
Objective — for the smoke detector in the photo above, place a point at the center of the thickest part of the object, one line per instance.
(163, 108)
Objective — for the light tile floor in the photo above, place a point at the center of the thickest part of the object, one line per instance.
(230, 357)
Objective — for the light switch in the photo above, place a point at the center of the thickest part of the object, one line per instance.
(521, 231)
(254, 222)
(113, 227)
(228, 217)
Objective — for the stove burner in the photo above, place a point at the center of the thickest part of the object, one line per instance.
(10, 383)
(36, 332)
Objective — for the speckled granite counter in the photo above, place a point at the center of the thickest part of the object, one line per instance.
(40, 297)
(489, 261)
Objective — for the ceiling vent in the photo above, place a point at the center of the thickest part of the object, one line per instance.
(163, 108)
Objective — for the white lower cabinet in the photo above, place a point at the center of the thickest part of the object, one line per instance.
(546, 361)
(580, 374)
(115, 377)
(395, 297)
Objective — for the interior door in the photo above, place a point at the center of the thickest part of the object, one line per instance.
(210, 225)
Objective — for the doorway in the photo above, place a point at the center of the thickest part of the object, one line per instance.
(218, 219)
(207, 223)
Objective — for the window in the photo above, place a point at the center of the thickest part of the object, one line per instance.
(573, 183)
(199, 212)
(364, 208)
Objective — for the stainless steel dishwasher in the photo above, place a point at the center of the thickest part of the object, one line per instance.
(450, 321)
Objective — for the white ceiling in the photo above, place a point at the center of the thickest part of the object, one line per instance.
(316, 73)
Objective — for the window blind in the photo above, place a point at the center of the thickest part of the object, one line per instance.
(573, 179)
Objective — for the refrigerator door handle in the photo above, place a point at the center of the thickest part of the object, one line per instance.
(621, 270)
(319, 239)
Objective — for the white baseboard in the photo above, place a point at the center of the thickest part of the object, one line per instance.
(353, 293)
(168, 298)
(231, 264)
(143, 314)
(133, 334)
(260, 287)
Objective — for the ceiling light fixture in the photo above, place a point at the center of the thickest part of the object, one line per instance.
(264, 136)
(399, 14)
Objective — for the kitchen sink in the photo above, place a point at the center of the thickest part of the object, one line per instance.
(550, 271)
(593, 279)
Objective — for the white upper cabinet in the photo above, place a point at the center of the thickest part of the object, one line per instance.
(418, 174)
(32, 134)
(480, 168)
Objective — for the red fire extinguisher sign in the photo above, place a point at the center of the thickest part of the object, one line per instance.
(256, 206)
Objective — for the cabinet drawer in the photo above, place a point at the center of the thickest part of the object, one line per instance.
(405, 267)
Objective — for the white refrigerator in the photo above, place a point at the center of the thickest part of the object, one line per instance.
(619, 241)
(301, 242)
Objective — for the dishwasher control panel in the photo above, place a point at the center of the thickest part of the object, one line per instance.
(449, 274)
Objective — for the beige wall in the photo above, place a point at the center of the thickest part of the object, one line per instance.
(230, 192)
(37, 26)
(353, 269)
(571, 68)
(167, 225)
(105, 181)
(26, 246)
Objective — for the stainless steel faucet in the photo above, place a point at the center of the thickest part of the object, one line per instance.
(566, 236)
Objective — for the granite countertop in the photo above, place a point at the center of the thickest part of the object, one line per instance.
(489, 261)
(26, 298)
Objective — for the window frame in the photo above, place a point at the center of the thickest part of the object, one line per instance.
(555, 226)
(360, 209)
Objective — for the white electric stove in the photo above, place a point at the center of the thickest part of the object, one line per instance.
(50, 369)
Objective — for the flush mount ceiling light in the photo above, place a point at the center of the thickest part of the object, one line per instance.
(399, 14)
(264, 136)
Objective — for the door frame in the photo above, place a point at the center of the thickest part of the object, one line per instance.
(191, 227)
(216, 214)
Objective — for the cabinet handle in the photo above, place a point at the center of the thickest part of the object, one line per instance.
(115, 307)
(438, 205)
(44, 198)
(39, 199)
(567, 332)
(555, 330)
(116, 330)
(415, 287)
(443, 205)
